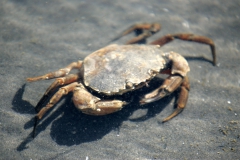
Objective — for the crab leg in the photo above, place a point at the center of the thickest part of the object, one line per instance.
(145, 30)
(58, 82)
(182, 99)
(55, 98)
(59, 73)
(140, 37)
(187, 37)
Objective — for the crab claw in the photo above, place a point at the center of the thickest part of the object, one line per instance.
(170, 85)
(154, 96)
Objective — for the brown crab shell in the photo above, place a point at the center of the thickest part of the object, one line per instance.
(116, 69)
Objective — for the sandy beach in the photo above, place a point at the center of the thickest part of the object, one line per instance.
(37, 37)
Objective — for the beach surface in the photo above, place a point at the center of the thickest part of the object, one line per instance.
(37, 37)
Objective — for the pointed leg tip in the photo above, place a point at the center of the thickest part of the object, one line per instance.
(33, 79)
(35, 126)
(174, 114)
(165, 120)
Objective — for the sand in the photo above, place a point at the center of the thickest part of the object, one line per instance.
(37, 37)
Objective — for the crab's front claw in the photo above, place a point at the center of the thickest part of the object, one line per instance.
(181, 100)
(169, 85)
(154, 96)
(92, 105)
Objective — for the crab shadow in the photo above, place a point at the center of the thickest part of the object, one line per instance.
(71, 127)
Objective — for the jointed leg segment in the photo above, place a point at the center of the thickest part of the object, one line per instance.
(59, 73)
(52, 88)
(145, 30)
(181, 99)
(56, 97)
(58, 82)
(187, 37)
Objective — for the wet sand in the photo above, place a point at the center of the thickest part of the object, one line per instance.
(39, 37)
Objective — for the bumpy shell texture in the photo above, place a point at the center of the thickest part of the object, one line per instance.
(116, 69)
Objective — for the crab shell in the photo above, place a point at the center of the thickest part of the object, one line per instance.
(116, 69)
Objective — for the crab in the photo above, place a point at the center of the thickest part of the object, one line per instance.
(118, 69)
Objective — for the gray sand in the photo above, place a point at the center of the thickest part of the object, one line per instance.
(37, 37)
